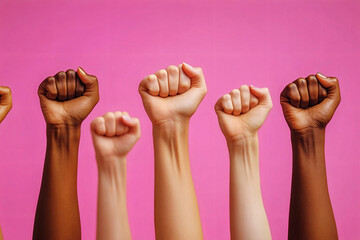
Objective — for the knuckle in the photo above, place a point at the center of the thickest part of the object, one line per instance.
(235, 92)
(151, 78)
(60, 74)
(172, 69)
(161, 73)
(226, 97)
(244, 87)
(70, 72)
(109, 115)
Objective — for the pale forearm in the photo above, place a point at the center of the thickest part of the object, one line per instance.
(57, 214)
(176, 209)
(247, 214)
(112, 217)
(311, 214)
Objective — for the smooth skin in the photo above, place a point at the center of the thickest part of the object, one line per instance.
(5, 102)
(5, 107)
(170, 97)
(114, 135)
(66, 99)
(308, 105)
(241, 113)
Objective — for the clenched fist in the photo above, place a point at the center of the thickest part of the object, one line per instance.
(310, 103)
(173, 94)
(242, 112)
(114, 134)
(68, 97)
(5, 102)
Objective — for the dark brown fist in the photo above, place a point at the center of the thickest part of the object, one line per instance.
(310, 103)
(68, 97)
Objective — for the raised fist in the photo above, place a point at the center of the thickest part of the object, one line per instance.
(114, 134)
(242, 112)
(68, 97)
(5, 102)
(310, 103)
(173, 94)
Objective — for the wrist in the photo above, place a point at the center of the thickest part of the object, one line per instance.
(171, 122)
(66, 135)
(244, 157)
(171, 126)
(307, 134)
(62, 129)
(111, 166)
(309, 144)
(242, 140)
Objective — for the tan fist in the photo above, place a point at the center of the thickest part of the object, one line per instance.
(173, 94)
(114, 134)
(242, 112)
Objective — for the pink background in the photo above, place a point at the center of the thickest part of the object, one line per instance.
(265, 43)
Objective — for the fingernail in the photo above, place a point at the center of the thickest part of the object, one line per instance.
(321, 75)
(81, 70)
(188, 65)
(126, 118)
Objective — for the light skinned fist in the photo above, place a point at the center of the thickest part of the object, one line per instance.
(173, 94)
(68, 97)
(114, 134)
(5, 102)
(310, 103)
(242, 111)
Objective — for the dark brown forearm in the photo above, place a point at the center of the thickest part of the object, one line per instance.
(57, 214)
(311, 215)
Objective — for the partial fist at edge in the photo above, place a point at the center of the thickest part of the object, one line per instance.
(5, 102)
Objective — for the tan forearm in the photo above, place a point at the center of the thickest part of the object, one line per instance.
(112, 216)
(57, 214)
(248, 218)
(176, 209)
(311, 215)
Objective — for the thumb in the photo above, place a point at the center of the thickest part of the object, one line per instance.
(331, 85)
(195, 74)
(132, 123)
(262, 94)
(90, 82)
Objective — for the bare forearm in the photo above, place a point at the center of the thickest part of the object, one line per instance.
(311, 215)
(247, 214)
(112, 216)
(176, 208)
(57, 214)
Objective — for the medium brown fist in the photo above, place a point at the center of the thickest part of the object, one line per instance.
(310, 103)
(68, 97)
(5, 102)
